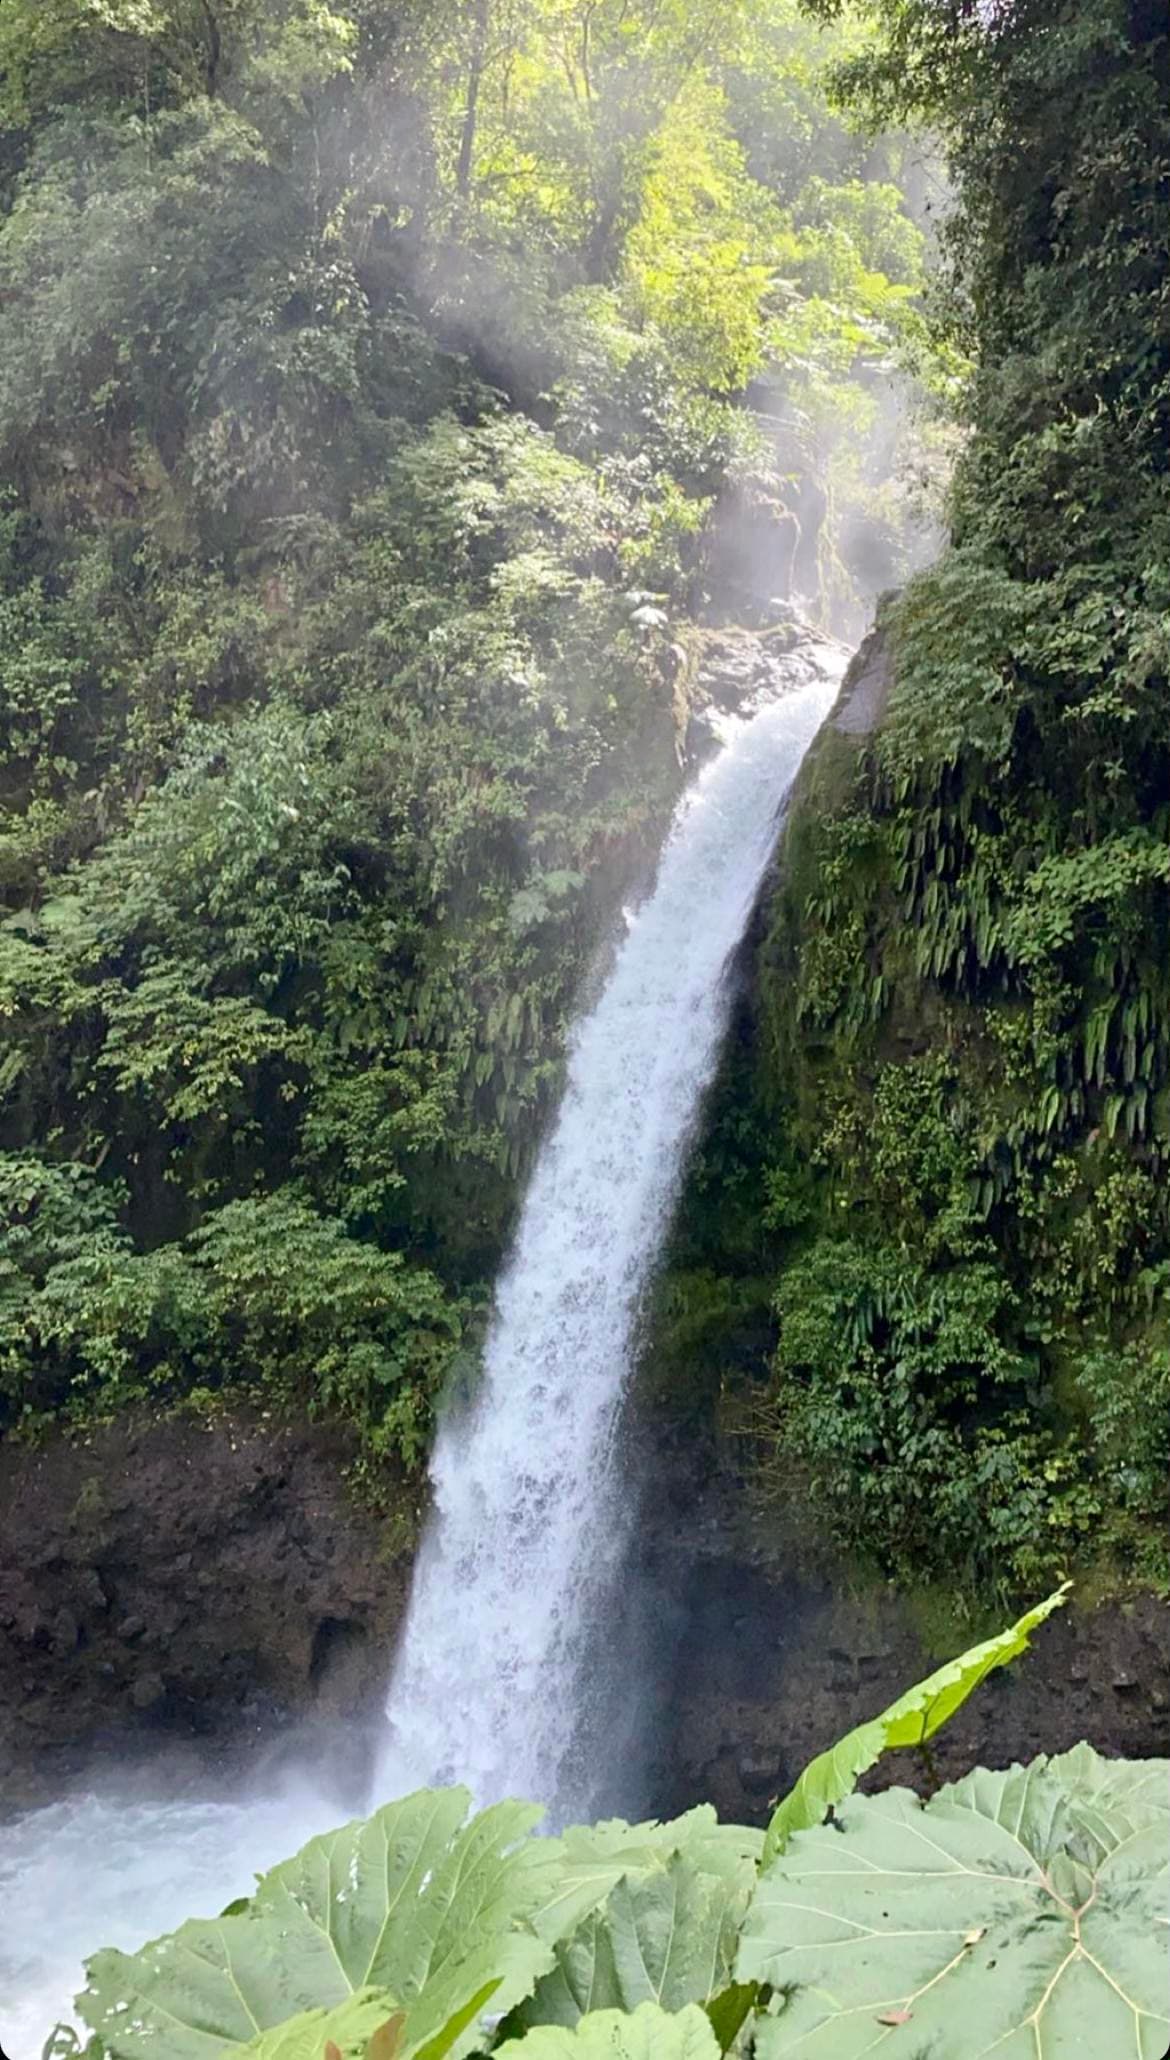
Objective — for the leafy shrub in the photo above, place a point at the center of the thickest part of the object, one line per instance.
(265, 1295)
(345, 442)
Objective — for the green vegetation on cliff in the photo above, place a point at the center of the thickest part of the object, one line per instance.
(370, 375)
(961, 1135)
(385, 391)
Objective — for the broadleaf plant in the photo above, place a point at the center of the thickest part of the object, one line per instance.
(593, 1858)
(1021, 1913)
(668, 1935)
(1017, 1913)
(419, 1907)
(915, 1716)
(349, 2031)
(647, 2033)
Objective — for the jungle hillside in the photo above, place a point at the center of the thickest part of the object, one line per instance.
(391, 399)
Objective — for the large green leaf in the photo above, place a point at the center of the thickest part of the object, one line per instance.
(1023, 1914)
(412, 1902)
(1136, 1789)
(592, 1858)
(833, 1775)
(667, 1935)
(648, 2033)
(349, 2028)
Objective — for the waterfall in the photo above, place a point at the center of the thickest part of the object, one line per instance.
(526, 1527)
(526, 1532)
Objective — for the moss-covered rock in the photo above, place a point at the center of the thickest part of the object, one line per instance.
(930, 1290)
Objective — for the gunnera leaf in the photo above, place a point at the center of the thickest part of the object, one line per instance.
(348, 2029)
(915, 1716)
(1022, 1914)
(594, 1857)
(667, 1935)
(648, 2033)
(413, 1902)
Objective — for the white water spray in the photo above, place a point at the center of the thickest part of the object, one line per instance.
(526, 1524)
(526, 1529)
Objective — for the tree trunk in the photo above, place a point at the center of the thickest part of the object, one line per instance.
(214, 51)
(471, 111)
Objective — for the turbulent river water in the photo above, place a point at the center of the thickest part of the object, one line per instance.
(497, 1681)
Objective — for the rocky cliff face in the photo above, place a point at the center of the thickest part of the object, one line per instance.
(774, 1652)
(215, 1590)
(173, 1582)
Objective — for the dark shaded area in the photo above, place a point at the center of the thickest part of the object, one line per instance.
(174, 1597)
(768, 1661)
(180, 1584)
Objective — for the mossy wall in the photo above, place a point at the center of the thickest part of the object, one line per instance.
(916, 1264)
(951, 1090)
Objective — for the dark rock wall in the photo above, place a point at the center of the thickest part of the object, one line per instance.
(771, 1656)
(177, 1585)
(183, 1581)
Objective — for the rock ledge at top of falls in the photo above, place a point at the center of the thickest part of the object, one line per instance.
(865, 689)
(739, 667)
(736, 670)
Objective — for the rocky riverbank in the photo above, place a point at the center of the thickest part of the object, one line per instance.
(776, 1652)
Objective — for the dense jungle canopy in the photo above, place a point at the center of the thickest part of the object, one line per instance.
(386, 392)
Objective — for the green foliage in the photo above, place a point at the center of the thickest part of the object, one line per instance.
(963, 1019)
(418, 1914)
(266, 1294)
(349, 2029)
(1030, 1896)
(667, 1936)
(650, 2032)
(318, 1931)
(898, 1391)
(358, 382)
(1018, 1908)
(915, 1717)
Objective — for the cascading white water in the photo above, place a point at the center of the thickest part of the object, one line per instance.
(525, 1530)
(525, 1526)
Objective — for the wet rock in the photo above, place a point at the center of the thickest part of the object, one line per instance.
(865, 689)
(89, 1591)
(773, 1655)
(202, 1560)
(65, 1634)
(148, 1690)
(759, 1772)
